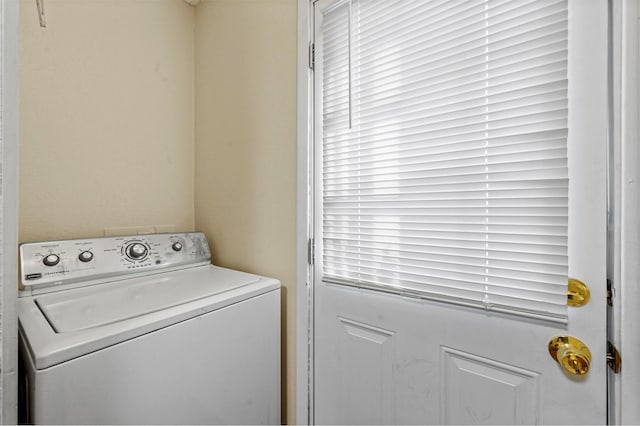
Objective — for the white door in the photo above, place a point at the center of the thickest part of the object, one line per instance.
(393, 353)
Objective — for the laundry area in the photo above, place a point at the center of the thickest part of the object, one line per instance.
(319, 211)
(141, 122)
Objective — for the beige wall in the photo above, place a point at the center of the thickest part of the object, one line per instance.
(106, 117)
(245, 145)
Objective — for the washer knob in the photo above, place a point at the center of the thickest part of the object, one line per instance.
(85, 256)
(177, 246)
(137, 251)
(51, 260)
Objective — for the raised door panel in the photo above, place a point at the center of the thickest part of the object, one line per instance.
(365, 365)
(479, 390)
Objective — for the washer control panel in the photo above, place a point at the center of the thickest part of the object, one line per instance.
(55, 263)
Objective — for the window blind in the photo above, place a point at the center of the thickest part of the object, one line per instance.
(443, 169)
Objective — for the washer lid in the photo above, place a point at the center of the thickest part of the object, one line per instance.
(101, 305)
(58, 327)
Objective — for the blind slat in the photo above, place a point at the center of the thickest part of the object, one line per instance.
(443, 169)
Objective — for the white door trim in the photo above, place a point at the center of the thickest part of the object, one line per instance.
(624, 240)
(9, 208)
(304, 301)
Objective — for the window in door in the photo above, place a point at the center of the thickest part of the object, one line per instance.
(444, 151)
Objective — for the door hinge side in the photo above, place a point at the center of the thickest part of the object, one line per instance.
(609, 293)
(614, 361)
(312, 56)
(311, 251)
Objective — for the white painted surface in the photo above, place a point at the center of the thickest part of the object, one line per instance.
(625, 238)
(304, 300)
(506, 383)
(8, 206)
(424, 362)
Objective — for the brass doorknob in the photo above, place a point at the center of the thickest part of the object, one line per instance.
(571, 353)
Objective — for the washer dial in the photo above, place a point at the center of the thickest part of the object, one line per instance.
(51, 260)
(86, 256)
(137, 251)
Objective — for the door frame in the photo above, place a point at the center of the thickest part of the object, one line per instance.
(624, 211)
(304, 224)
(624, 232)
(9, 209)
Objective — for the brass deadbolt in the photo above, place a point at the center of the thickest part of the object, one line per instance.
(578, 293)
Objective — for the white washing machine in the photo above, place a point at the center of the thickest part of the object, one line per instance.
(145, 330)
